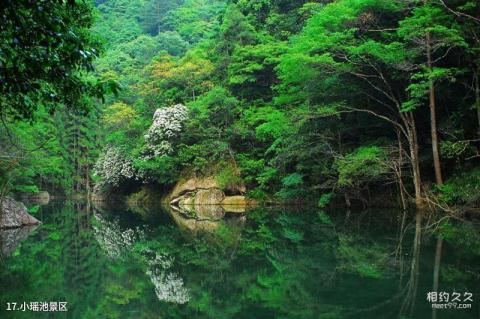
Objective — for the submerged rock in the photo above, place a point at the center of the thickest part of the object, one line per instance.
(14, 214)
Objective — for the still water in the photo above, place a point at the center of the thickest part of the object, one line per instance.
(266, 263)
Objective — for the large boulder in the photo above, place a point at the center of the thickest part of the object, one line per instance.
(192, 185)
(11, 238)
(195, 184)
(14, 214)
(202, 199)
(212, 196)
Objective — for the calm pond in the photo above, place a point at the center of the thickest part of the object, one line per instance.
(267, 263)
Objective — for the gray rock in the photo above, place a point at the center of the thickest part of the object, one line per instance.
(193, 184)
(212, 196)
(11, 238)
(14, 214)
(209, 212)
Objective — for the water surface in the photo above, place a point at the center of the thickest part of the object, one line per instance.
(267, 263)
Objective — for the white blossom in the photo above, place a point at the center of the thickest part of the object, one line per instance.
(113, 167)
(166, 126)
(169, 286)
(117, 243)
(114, 241)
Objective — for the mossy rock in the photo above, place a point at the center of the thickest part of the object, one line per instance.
(212, 196)
(237, 200)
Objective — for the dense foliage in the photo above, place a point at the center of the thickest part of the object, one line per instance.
(306, 99)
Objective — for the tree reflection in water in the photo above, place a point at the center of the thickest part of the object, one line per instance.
(265, 263)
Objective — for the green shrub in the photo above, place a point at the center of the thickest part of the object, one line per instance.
(257, 193)
(365, 164)
(324, 200)
(228, 177)
(461, 188)
(292, 186)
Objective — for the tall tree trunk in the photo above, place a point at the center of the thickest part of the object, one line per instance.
(433, 116)
(87, 181)
(408, 305)
(74, 160)
(414, 159)
(477, 97)
(399, 171)
(78, 168)
(436, 270)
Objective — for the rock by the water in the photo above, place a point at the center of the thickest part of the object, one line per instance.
(193, 224)
(203, 212)
(235, 223)
(235, 200)
(192, 185)
(195, 184)
(237, 209)
(212, 196)
(14, 214)
(202, 199)
(185, 200)
(11, 238)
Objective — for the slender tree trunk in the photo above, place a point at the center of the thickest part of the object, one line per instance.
(477, 98)
(433, 116)
(74, 160)
(436, 270)
(87, 181)
(415, 266)
(408, 305)
(414, 159)
(77, 158)
(399, 171)
(347, 201)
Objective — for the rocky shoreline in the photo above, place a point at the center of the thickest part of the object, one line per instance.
(14, 214)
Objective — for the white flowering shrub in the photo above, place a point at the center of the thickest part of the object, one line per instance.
(113, 167)
(118, 243)
(115, 242)
(169, 286)
(166, 126)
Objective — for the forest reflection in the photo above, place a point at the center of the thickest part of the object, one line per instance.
(271, 263)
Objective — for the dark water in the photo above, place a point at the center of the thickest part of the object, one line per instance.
(303, 263)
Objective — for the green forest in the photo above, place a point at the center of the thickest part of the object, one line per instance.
(240, 159)
(301, 101)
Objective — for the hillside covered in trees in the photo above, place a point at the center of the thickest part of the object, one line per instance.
(299, 100)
